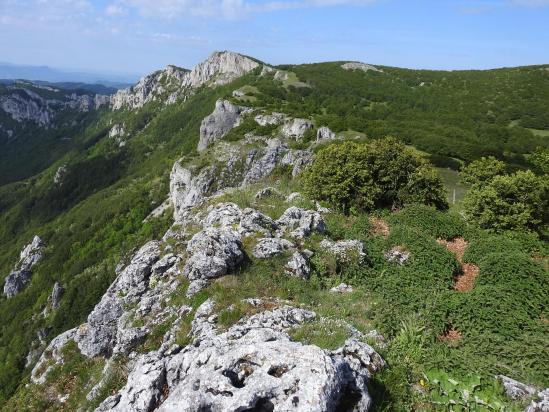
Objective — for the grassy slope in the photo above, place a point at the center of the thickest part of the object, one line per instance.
(88, 230)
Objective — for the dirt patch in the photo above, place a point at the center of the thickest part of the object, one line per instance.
(465, 281)
(457, 246)
(379, 227)
(450, 335)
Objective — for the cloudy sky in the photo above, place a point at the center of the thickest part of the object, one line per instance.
(138, 36)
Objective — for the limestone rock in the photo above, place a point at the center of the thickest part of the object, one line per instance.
(344, 249)
(143, 390)
(269, 119)
(397, 255)
(298, 265)
(219, 68)
(301, 223)
(296, 128)
(254, 222)
(324, 133)
(265, 165)
(515, 389)
(269, 247)
(187, 190)
(360, 66)
(292, 197)
(99, 335)
(212, 253)
(342, 288)
(56, 295)
(299, 159)
(149, 88)
(52, 353)
(60, 174)
(255, 366)
(117, 130)
(225, 215)
(541, 404)
(267, 192)
(245, 222)
(22, 272)
(215, 126)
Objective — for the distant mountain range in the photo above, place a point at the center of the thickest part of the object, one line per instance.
(49, 74)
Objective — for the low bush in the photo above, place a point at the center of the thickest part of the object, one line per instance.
(431, 221)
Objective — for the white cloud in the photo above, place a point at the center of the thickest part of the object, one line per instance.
(227, 8)
(115, 10)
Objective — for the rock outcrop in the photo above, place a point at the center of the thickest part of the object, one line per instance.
(187, 190)
(301, 223)
(342, 288)
(22, 272)
(516, 390)
(360, 66)
(269, 247)
(52, 355)
(215, 126)
(298, 265)
(269, 119)
(397, 255)
(212, 253)
(324, 133)
(344, 249)
(541, 404)
(252, 366)
(296, 128)
(100, 334)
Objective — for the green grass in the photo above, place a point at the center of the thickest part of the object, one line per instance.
(453, 185)
(542, 133)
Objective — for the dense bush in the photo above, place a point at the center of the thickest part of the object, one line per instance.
(431, 221)
(506, 242)
(518, 201)
(355, 177)
(482, 170)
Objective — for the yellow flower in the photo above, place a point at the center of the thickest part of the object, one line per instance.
(422, 382)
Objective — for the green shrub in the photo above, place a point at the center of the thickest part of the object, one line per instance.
(518, 201)
(482, 170)
(506, 242)
(358, 177)
(438, 224)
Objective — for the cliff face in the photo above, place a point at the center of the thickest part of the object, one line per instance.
(26, 102)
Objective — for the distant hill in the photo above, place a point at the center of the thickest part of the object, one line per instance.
(45, 73)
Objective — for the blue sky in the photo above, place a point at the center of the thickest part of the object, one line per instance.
(138, 36)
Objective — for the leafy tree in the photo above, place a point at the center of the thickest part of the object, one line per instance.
(355, 176)
(508, 202)
(482, 170)
(540, 160)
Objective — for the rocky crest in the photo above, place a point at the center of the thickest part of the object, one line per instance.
(360, 66)
(173, 83)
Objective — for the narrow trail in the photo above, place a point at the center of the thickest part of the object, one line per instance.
(466, 280)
